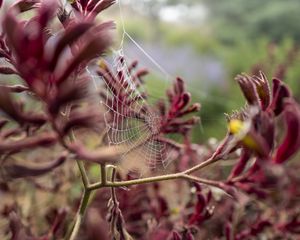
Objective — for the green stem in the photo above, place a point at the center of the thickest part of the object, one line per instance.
(156, 179)
(103, 174)
(201, 165)
(104, 183)
(136, 181)
(84, 200)
(181, 175)
(203, 181)
(83, 173)
(80, 214)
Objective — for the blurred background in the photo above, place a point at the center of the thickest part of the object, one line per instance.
(207, 43)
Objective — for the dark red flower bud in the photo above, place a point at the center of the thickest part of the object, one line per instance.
(176, 236)
(132, 66)
(141, 73)
(26, 5)
(68, 38)
(4, 54)
(280, 93)
(94, 47)
(179, 86)
(184, 100)
(7, 70)
(96, 6)
(249, 89)
(263, 90)
(291, 141)
(191, 109)
(86, 119)
(241, 164)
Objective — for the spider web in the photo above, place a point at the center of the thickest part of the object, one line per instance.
(132, 122)
(129, 118)
(135, 124)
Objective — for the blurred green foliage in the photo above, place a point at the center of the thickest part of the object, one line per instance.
(244, 35)
(235, 20)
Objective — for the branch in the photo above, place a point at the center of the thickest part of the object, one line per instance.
(137, 181)
(201, 165)
(181, 175)
(72, 234)
(83, 173)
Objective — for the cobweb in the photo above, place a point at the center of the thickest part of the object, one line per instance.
(135, 124)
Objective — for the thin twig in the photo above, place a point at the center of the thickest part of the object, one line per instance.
(83, 173)
(201, 165)
(136, 181)
(103, 174)
(80, 214)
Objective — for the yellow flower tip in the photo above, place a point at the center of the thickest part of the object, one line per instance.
(175, 210)
(250, 142)
(102, 64)
(239, 128)
(235, 126)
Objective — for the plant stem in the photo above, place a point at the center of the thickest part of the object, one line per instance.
(103, 174)
(180, 175)
(203, 181)
(80, 214)
(207, 162)
(137, 181)
(104, 183)
(156, 179)
(84, 176)
(84, 200)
